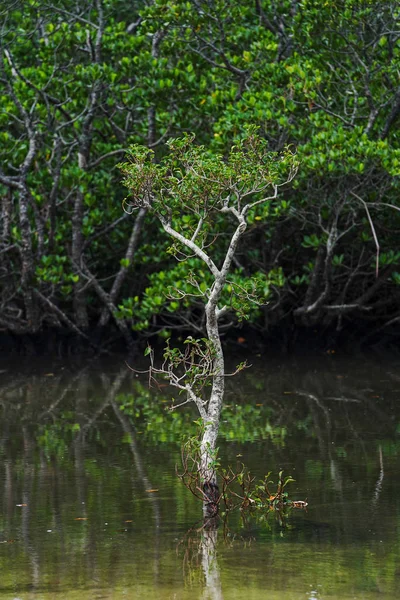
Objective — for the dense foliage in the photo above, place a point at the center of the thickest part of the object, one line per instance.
(82, 81)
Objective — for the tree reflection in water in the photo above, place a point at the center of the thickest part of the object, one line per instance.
(199, 550)
(84, 448)
(213, 588)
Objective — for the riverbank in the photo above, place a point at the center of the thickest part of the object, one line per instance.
(285, 340)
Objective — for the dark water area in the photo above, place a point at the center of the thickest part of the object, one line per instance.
(91, 506)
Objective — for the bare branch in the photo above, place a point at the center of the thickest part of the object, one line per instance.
(191, 245)
(372, 229)
(69, 14)
(96, 162)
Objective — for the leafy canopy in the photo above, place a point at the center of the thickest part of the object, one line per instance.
(203, 198)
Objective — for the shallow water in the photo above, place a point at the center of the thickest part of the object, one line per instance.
(91, 506)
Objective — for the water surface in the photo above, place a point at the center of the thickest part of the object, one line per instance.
(91, 506)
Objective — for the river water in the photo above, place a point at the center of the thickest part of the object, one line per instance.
(91, 507)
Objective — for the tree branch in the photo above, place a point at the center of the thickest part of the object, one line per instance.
(191, 245)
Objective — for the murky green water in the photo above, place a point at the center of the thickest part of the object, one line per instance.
(91, 507)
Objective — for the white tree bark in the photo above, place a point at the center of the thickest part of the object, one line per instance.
(209, 561)
(211, 419)
(209, 440)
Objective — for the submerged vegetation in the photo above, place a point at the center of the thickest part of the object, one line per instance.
(238, 488)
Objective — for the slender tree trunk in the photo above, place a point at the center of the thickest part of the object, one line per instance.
(6, 214)
(56, 176)
(27, 259)
(85, 143)
(211, 421)
(80, 310)
(212, 311)
(121, 275)
(152, 111)
(111, 308)
(208, 443)
(210, 435)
